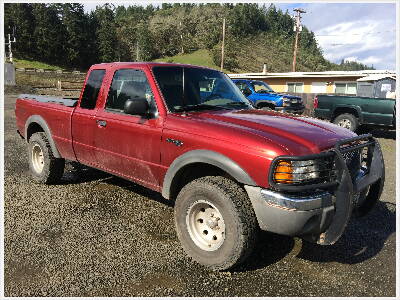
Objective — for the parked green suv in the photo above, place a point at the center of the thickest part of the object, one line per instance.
(352, 112)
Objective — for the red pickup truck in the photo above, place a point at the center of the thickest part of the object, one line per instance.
(189, 133)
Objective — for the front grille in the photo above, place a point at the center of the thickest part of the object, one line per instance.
(352, 159)
(356, 157)
(297, 104)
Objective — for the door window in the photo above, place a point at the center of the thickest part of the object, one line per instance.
(92, 89)
(129, 84)
(243, 88)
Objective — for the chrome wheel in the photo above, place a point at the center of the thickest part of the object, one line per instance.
(205, 225)
(346, 123)
(37, 158)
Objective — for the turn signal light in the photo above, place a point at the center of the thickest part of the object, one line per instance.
(283, 172)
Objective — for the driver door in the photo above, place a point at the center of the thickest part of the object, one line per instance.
(129, 145)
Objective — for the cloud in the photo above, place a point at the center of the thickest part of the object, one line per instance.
(364, 32)
(351, 58)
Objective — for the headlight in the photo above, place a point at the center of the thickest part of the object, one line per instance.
(302, 171)
(286, 101)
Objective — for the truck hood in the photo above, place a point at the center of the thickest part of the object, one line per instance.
(294, 134)
(275, 96)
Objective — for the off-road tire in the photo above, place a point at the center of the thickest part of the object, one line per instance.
(53, 168)
(353, 121)
(241, 227)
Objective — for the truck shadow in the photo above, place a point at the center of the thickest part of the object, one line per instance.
(384, 134)
(363, 239)
(138, 189)
(75, 173)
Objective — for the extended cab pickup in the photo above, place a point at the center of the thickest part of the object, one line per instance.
(351, 112)
(229, 168)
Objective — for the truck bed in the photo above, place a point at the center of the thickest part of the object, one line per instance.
(52, 114)
(66, 101)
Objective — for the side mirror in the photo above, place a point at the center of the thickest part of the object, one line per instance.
(139, 106)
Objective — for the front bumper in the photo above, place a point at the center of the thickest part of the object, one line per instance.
(298, 109)
(321, 215)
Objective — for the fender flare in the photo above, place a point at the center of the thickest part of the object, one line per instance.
(204, 156)
(350, 107)
(39, 120)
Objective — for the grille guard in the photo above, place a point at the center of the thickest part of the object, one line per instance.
(345, 186)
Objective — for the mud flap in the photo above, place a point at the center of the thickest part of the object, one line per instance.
(343, 204)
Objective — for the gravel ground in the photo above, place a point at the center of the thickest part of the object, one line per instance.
(98, 235)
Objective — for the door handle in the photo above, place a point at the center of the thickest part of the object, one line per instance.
(101, 123)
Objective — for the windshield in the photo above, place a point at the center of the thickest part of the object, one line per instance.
(261, 87)
(189, 89)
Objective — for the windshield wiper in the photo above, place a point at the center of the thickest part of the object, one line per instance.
(238, 104)
(198, 107)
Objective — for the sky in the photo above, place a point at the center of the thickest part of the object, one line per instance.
(362, 32)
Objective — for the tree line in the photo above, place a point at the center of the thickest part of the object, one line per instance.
(66, 35)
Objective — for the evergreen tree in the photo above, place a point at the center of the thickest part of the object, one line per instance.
(75, 22)
(107, 43)
(49, 34)
(64, 34)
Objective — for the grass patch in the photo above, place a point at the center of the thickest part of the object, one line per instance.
(200, 57)
(23, 63)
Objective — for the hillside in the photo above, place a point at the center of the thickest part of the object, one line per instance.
(200, 57)
(64, 34)
(252, 53)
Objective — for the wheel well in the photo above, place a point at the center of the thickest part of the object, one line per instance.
(264, 104)
(191, 172)
(344, 110)
(33, 128)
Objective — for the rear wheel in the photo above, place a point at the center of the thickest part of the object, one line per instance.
(215, 222)
(348, 121)
(44, 167)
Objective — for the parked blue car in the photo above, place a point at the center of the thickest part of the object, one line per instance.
(263, 97)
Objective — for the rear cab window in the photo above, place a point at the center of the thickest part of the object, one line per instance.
(92, 89)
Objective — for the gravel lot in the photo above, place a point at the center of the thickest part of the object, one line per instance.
(98, 235)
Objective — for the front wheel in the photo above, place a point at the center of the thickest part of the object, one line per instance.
(348, 121)
(215, 222)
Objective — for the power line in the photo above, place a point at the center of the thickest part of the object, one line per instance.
(368, 33)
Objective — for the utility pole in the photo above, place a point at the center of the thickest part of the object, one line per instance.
(297, 28)
(9, 44)
(223, 45)
(137, 50)
(180, 26)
